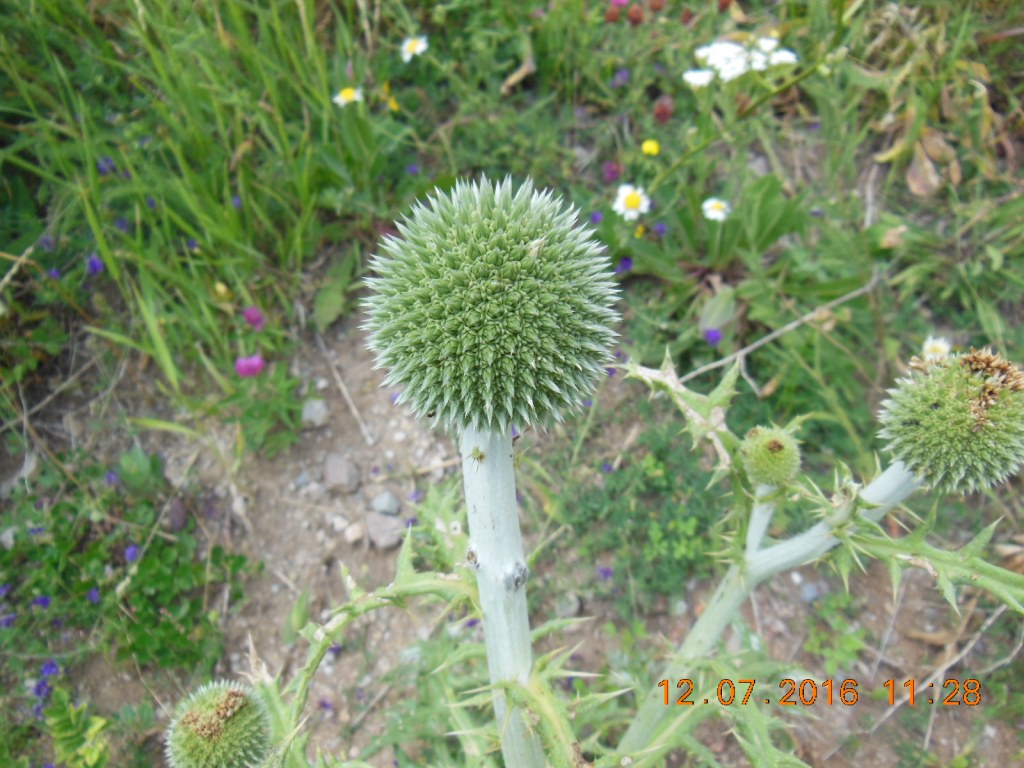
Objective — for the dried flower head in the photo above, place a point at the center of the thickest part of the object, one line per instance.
(957, 422)
(221, 725)
(492, 306)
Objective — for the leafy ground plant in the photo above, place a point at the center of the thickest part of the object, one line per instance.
(90, 566)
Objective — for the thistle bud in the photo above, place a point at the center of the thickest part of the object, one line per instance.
(492, 307)
(958, 421)
(221, 725)
(771, 456)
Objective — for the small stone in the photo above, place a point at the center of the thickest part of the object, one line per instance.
(339, 523)
(354, 533)
(386, 503)
(384, 531)
(7, 538)
(321, 384)
(177, 515)
(567, 605)
(679, 608)
(810, 591)
(341, 473)
(315, 413)
(302, 480)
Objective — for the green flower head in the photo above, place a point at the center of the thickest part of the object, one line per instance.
(221, 725)
(958, 421)
(771, 456)
(492, 307)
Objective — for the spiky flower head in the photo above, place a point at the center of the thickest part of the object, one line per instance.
(771, 456)
(221, 725)
(957, 422)
(492, 306)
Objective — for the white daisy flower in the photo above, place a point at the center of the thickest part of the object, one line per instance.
(413, 46)
(935, 348)
(631, 202)
(767, 44)
(348, 95)
(715, 209)
(698, 78)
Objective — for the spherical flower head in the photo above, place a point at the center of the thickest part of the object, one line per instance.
(221, 725)
(631, 202)
(715, 209)
(247, 367)
(492, 307)
(347, 96)
(957, 422)
(771, 456)
(413, 46)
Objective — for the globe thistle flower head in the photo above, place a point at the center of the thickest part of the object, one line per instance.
(957, 421)
(492, 306)
(221, 725)
(771, 456)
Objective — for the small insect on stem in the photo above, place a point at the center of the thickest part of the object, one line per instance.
(477, 454)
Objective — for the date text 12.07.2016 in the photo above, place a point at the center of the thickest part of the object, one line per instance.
(793, 693)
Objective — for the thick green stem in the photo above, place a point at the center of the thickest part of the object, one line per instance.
(496, 551)
(650, 729)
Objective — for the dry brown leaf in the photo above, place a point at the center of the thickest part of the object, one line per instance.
(523, 71)
(893, 238)
(936, 147)
(922, 178)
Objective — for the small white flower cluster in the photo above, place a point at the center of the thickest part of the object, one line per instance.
(727, 60)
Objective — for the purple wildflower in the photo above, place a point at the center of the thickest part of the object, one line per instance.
(417, 496)
(588, 403)
(42, 689)
(325, 705)
(94, 265)
(611, 172)
(192, 244)
(411, 522)
(394, 397)
(150, 202)
(625, 264)
(122, 224)
(412, 169)
(607, 467)
(93, 596)
(712, 336)
(54, 273)
(254, 317)
(46, 242)
(621, 78)
(111, 478)
(7, 620)
(605, 572)
(236, 201)
(611, 371)
(105, 166)
(49, 668)
(660, 228)
(247, 367)
(4, 589)
(131, 553)
(43, 601)
(596, 217)
(472, 623)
